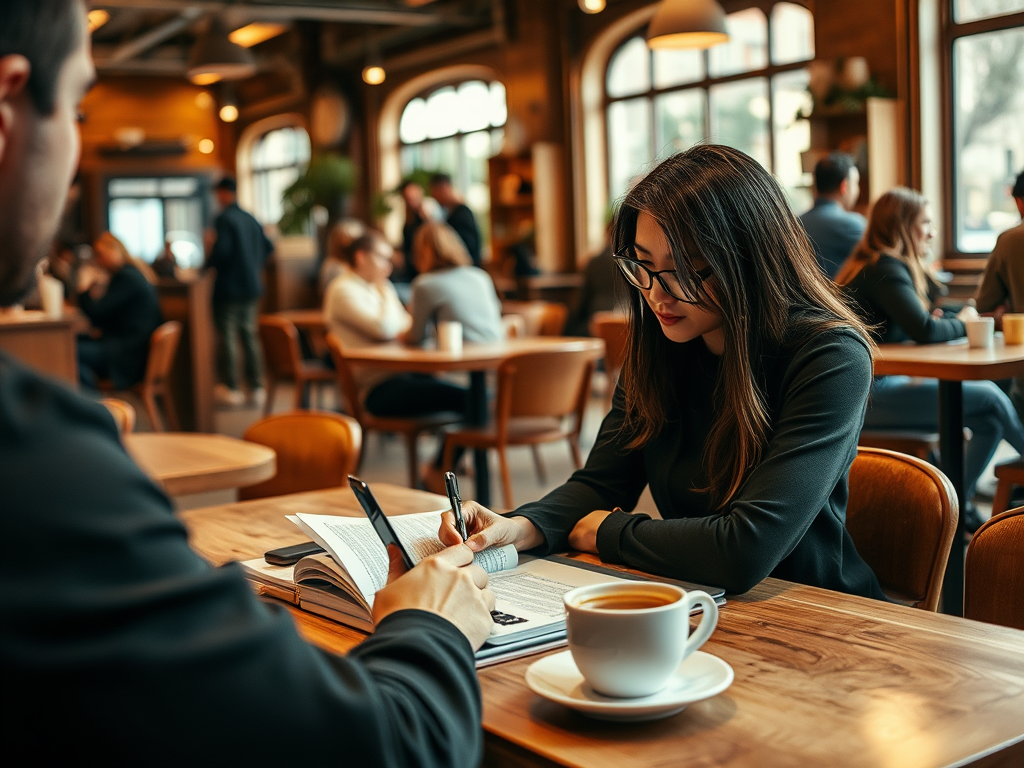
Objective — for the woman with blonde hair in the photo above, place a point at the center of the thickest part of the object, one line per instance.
(343, 234)
(450, 288)
(887, 276)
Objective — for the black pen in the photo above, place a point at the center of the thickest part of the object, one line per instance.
(451, 485)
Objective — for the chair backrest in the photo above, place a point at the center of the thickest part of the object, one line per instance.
(902, 516)
(163, 345)
(281, 351)
(314, 450)
(346, 380)
(994, 571)
(123, 413)
(541, 318)
(612, 327)
(547, 383)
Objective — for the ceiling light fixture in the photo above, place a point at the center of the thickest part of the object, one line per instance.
(256, 33)
(214, 57)
(228, 104)
(97, 18)
(373, 72)
(592, 6)
(687, 24)
(206, 146)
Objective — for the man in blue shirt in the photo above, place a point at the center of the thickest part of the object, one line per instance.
(832, 225)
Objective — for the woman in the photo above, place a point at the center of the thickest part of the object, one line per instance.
(450, 288)
(123, 308)
(887, 277)
(343, 234)
(740, 401)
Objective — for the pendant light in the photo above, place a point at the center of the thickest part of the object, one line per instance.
(687, 24)
(373, 72)
(214, 57)
(592, 6)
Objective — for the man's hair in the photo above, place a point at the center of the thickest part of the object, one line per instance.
(1018, 186)
(46, 32)
(365, 243)
(831, 171)
(228, 184)
(440, 178)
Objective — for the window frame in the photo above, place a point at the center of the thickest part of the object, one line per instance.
(255, 172)
(951, 32)
(652, 93)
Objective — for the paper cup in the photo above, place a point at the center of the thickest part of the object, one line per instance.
(449, 337)
(980, 332)
(51, 294)
(1013, 328)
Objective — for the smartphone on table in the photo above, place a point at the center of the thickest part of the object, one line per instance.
(291, 555)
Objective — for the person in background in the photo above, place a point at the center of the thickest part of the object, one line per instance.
(123, 308)
(238, 254)
(1002, 285)
(166, 264)
(362, 308)
(740, 401)
(832, 225)
(127, 646)
(458, 216)
(450, 288)
(888, 278)
(343, 234)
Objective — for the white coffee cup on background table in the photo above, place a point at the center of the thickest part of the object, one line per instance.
(980, 332)
(449, 336)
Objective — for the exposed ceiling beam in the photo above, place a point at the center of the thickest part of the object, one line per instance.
(155, 36)
(287, 11)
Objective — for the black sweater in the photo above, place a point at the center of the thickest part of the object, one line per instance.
(788, 518)
(884, 293)
(118, 644)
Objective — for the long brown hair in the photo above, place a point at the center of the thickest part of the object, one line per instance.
(444, 245)
(889, 232)
(719, 207)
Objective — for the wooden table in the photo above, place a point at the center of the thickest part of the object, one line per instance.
(822, 679)
(952, 364)
(477, 359)
(186, 462)
(40, 342)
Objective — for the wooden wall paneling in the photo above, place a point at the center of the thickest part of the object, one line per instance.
(193, 375)
(45, 344)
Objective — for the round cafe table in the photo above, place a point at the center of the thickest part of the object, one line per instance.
(192, 462)
(476, 359)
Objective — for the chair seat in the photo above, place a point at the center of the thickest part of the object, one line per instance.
(521, 431)
(411, 424)
(315, 370)
(1012, 471)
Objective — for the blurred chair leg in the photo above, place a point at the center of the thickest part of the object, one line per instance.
(298, 396)
(506, 478)
(271, 391)
(411, 440)
(574, 446)
(538, 463)
(172, 415)
(156, 423)
(1001, 502)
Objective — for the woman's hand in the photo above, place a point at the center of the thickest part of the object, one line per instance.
(967, 313)
(489, 529)
(584, 535)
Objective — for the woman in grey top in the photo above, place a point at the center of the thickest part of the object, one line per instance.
(449, 288)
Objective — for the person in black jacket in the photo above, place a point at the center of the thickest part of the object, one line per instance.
(458, 215)
(740, 401)
(123, 308)
(118, 644)
(887, 278)
(238, 255)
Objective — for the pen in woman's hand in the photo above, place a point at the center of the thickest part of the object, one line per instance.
(451, 485)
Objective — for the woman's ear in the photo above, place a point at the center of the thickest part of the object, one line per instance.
(14, 74)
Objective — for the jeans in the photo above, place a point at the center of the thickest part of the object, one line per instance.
(900, 402)
(237, 320)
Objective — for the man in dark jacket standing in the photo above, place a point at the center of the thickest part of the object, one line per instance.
(238, 256)
(458, 215)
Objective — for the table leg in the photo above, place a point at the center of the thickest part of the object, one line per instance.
(478, 417)
(951, 447)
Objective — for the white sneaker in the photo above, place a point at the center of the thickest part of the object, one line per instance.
(257, 397)
(224, 395)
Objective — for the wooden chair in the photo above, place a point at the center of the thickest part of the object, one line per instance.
(411, 428)
(541, 318)
(612, 328)
(314, 450)
(1008, 475)
(163, 346)
(541, 399)
(123, 413)
(902, 516)
(923, 445)
(994, 571)
(283, 361)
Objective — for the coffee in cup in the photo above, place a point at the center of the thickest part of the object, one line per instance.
(628, 639)
(1013, 328)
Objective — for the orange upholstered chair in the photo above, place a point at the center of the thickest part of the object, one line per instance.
(994, 571)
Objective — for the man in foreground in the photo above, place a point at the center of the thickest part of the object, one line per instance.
(832, 224)
(117, 642)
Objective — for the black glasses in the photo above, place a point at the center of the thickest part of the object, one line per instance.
(686, 289)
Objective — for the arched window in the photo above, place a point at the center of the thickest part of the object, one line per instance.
(275, 162)
(455, 129)
(746, 93)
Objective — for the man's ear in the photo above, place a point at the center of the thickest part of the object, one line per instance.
(844, 187)
(14, 73)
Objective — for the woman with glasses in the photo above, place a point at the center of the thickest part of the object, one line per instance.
(739, 404)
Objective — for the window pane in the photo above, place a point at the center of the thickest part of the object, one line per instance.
(442, 113)
(474, 106)
(792, 33)
(969, 10)
(678, 120)
(499, 109)
(988, 88)
(792, 136)
(672, 67)
(139, 224)
(629, 71)
(269, 187)
(739, 117)
(413, 125)
(747, 48)
(629, 143)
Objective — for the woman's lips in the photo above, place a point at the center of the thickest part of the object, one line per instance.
(668, 319)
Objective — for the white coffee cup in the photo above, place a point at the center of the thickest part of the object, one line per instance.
(980, 332)
(51, 295)
(449, 336)
(628, 639)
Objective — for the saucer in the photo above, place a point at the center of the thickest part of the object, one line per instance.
(700, 676)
